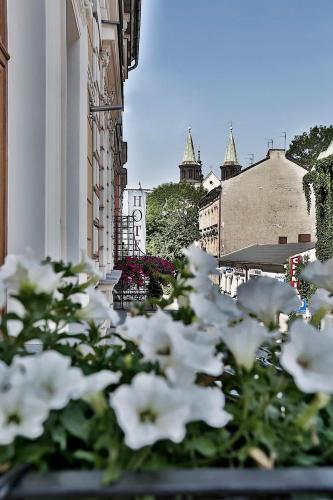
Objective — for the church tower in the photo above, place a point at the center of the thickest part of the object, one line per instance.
(190, 168)
(230, 166)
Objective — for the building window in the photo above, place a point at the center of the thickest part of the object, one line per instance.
(304, 238)
(283, 240)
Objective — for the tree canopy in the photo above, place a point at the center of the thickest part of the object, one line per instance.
(172, 218)
(306, 147)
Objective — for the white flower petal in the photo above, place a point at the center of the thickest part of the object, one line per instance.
(21, 414)
(213, 308)
(200, 261)
(207, 404)
(52, 378)
(320, 274)
(321, 299)
(307, 356)
(98, 308)
(266, 297)
(149, 410)
(243, 340)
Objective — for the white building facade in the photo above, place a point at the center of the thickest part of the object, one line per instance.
(66, 160)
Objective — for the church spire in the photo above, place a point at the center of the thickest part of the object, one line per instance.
(189, 154)
(230, 157)
(230, 166)
(190, 168)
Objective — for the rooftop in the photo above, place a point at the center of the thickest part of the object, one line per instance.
(266, 257)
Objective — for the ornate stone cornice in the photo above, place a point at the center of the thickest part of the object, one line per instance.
(104, 56)
(86, 10)
(91, 87)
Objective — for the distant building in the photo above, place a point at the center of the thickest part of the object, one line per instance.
(191, 167)
(210, 221)
(211, 181)
(265, 204)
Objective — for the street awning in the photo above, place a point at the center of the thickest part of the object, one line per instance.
(270, 258)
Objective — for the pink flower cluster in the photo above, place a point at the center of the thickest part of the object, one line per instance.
(137, 270)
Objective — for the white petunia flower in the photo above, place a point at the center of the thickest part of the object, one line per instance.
(207, 404)
(12, 272)
(21, 414)
(322, 299)
(201, 283)
(52, 378)
(149, 410)
(320, 274)
(43, 279)
(213, 308)
(200, 261)
(98, 382)
(97, 309)
(22, 272)
(87, 265)
(266, 297)
(308, 357)
(179, 349)
(243, 340)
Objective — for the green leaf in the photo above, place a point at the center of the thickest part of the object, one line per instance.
(59, 436)
(203, 445)
(34, 452)
(6, 453)
(87, 456)
(75, 422)
(112, 473)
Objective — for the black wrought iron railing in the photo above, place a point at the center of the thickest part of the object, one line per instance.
(126, 294)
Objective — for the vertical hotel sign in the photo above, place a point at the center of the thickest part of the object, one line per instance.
(293, 263)
(137, 202)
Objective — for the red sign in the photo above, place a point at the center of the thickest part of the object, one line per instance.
(293, 263)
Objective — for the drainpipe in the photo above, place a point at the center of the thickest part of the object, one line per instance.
(138, 16)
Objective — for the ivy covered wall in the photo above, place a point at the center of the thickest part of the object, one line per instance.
(320, 179)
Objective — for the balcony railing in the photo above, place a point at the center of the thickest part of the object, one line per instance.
(175, 484)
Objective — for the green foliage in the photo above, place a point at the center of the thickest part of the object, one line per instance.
(306, 147)
(320, 179)
(172, 219)
(305, 289)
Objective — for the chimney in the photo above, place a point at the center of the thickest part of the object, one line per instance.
(276, 153)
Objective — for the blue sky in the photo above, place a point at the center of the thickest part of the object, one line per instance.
(266, 65)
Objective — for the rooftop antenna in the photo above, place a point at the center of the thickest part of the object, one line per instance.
(270, 143)
(250, 157)
(284, 135)
(199, 155)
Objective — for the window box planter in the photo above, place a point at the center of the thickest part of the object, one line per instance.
(202, 483)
